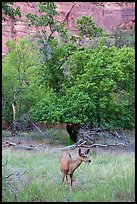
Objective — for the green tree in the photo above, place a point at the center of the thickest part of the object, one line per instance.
(88, 29)
(53, 53)
(19, 74)
(124, 37)
(100, 90)
(49, 26)
(8, 11)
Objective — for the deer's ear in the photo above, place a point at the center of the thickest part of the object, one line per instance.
(79, 151)
(87, 151)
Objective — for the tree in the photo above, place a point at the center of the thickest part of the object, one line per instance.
(19, 77)
(71, 84)
(88, 29)
(49, 26)
(100, 90)
(8, 11)
(53, 54)
(124, 37)
(57, 44)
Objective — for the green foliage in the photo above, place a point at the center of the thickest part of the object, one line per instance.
(100, 89)
(19, 72)
(87, 27)
(46, 19)
(8, 11)
(58, 82)
(53, 55)
(52, 72)
(124, 37)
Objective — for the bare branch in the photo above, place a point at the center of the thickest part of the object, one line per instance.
(102, 145)
(8, 143)
(9, 175)
(67, 16)
(83, 144)
(71, 147)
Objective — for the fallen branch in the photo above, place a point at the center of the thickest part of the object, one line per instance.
(95, 134)
(26, 147)
(71, 147)
(115, 134)
(102, 145)
(38, 128)
(40, 145)
(9, 127)
(9, 175)
(83, 144)
(8, 143)
(28, 119)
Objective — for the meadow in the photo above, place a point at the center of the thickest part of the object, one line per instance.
(34, 176)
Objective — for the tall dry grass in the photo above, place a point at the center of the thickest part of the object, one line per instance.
(34, 176)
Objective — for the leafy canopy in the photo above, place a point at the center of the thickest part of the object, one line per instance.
(8, 11)
(68, 83)
(100, 90)
(19, 74)
(88, 29)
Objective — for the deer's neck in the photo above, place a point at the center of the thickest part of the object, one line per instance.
(75, 164)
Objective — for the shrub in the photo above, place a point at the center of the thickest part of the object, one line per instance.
(100, 89)
(124, 37)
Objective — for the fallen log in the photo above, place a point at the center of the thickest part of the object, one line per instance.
(102, 145)
(83, 144)
(71, 147)
(26, 147)
(8, 143)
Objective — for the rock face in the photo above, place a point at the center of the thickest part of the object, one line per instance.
(105, 14)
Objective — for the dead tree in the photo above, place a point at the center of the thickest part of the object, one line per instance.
(95, 137)
(67, 16)
(14, 124)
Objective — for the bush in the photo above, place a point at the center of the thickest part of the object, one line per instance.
(20, 78)
(100, 89)
(124, 37)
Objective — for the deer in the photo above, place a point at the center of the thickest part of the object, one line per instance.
(68, 165)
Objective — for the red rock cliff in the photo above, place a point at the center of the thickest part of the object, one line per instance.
(105, 14)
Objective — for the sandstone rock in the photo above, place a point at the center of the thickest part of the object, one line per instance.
(105, 14)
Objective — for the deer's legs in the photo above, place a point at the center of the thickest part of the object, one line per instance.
(71, 175)
(63, 176)
(67, 179)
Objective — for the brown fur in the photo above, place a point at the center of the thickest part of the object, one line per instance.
(68, 165)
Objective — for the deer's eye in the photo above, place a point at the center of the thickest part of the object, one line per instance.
(84, 156)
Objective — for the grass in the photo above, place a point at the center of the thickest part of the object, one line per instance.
(59, 136)
(52, 135)
(36, 177)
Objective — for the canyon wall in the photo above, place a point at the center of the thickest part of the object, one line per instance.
(105, 14)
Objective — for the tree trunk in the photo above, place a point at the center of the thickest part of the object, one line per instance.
(73, 130)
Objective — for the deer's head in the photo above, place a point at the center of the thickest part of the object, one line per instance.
(83, 156)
